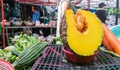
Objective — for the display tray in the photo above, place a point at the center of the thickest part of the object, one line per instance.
(53, 58)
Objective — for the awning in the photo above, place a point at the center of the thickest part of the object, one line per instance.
(39, 2)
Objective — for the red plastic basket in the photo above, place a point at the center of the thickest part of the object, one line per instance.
(77, 58)
(4, 65)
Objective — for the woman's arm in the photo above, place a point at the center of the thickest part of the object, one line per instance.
(76, 1)
(65, 6)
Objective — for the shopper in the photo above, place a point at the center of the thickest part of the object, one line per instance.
(101, 13)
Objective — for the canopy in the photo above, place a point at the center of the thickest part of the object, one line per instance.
(39, 2)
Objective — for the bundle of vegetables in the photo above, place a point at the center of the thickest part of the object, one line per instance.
(22, 41)
(24, 51)
(57, 41)
(110, 41)
(7, 55)
(29, 55)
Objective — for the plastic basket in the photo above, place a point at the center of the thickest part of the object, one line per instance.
(78, 58)
(4, 65)
(116, 31)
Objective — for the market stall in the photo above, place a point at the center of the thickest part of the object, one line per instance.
(45, 22)
(39, 2)
(84, 44)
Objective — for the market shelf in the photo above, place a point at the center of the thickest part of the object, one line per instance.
(41, 26)
(54, 59)
(7, 28)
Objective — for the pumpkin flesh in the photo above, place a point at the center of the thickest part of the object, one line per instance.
(85, 40)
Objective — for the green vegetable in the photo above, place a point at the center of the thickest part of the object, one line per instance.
(23, 41)
(58, 41)
(28, 49)
(30, 56)
(7, 55)
(110, 52)
(15, 52)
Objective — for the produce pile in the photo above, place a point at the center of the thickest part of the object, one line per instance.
(23, 52)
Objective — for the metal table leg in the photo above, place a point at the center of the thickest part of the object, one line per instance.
(7, 35)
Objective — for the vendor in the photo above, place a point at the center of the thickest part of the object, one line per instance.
(68, 4)
(35, 17)
(36, 14)
(63, 6)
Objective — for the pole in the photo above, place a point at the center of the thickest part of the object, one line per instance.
(24, 10)
(88, 5)
(117, 12)
(3, 32)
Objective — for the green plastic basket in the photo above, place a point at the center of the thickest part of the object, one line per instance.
(116, 31)
(0, 28)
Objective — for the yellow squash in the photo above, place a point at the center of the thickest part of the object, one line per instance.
(84, 32)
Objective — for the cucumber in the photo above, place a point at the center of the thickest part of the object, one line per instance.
(30, 56)
(35, 52)
(34, 48)
(28, 61)
(27, 55)
(28, 49)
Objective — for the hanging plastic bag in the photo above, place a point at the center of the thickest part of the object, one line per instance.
(37, 23)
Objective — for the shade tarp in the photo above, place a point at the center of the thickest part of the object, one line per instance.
(39, 2)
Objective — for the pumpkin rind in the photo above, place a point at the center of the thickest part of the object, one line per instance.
(86, 43)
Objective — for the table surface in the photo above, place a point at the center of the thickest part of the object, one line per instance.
(54, 58)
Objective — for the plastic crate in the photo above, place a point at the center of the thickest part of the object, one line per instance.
(53, 58)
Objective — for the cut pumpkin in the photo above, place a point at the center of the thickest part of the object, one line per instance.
(84, 32)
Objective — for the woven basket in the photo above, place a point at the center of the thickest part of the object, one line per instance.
(29, 23)
(6, 23)
(18, 23)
